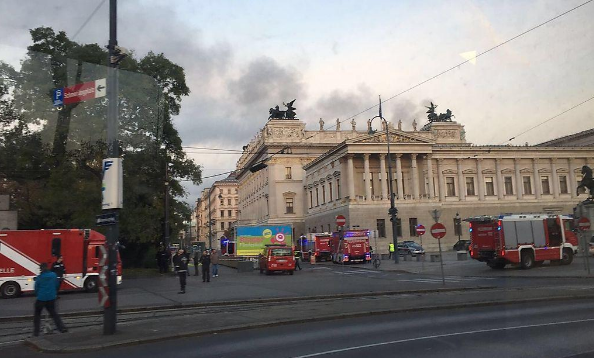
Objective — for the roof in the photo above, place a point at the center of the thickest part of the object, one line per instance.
(580, 139)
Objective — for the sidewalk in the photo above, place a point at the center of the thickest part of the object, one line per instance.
(184, 324)
(470, 267)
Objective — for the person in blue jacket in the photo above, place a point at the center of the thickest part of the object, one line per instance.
(45, 290)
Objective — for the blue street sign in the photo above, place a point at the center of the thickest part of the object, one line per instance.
(106, 219)
(58, 96)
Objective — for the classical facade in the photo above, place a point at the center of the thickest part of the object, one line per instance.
(437, 169)
(219, 203)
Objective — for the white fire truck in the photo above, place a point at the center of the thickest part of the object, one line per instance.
(522, 239)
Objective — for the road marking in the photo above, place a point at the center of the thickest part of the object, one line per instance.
(442, 336)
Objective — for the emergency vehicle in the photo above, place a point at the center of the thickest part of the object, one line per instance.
(277, 258)
(522, 239)
(22, 251)
(319, 244)
(350, 246)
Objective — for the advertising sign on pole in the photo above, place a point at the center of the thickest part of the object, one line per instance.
(251, 240)
(112, 185)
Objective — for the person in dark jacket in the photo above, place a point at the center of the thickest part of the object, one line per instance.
(162, 258)
(45, 290)
(205, 261)
(180, 261)
(59, 269)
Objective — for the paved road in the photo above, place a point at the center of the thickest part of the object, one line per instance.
(557, 329)
(325, 279)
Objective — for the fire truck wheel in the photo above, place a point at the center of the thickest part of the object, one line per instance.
(10, 290)
(527, 260)
(496, 265)
(567, 256)
(91, 284)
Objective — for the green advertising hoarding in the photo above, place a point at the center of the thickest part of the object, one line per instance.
(251, 240)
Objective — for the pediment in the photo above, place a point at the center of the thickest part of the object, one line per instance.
(525, 170)
(469, 171)
(396, 137)
(507, 171)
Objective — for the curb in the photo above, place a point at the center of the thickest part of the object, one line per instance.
(43, 345)
(255, 301)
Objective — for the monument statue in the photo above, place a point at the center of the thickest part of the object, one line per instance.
(337, 124)
(384, 126)
(587, 181)
(369, 125)
(321, 124)
(414, 124)
(399, 125)
(432, 116)
(276, 113)
(354, 124)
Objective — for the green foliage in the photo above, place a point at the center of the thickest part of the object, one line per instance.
(50, 160)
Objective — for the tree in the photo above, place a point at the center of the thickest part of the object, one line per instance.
(51, 159)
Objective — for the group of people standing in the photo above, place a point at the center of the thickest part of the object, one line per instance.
(206, 259)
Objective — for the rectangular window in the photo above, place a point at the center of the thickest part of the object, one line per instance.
(399, 227)
(323, 194)
(228, 191)
(310, 199)
(222, 202)
(289, 205)
(288, 174)
(450, 186)
(330, 191)
(338, 188)
(317, 196)
(470, 186)
(222, 225)
(56, 246)
(527, 185)
(509, 186)
(563, 184)
(229, 202)
(412, 223)
(229, 213)
(546, 189)
(489, 187)
(381, 227)
(222, 213)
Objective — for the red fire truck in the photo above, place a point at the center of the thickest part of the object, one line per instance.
(350, 246)
(22, 251)
(319, 244)
(522, 239)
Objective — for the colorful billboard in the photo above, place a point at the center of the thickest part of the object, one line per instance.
(251, 240)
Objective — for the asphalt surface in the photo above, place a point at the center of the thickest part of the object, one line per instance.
(547, 329)
(321, 279)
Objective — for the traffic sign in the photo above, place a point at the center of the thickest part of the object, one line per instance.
(420, 230)
(438, 231)
(340, 220)
(583, 224)
(80, 92)
(106, 219)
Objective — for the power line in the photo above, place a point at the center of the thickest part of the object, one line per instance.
(547, 120)
(88, 19)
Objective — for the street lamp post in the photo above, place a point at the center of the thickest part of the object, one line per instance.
(392, 211)
(210, 220)
(458, 226)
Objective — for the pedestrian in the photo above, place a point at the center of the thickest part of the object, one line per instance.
(298, 255)
(162, 258)
(59, 269)
(214, 260)
(180, 261)
(45, 291)
(391, 249)
(196, 261)
(205, 261)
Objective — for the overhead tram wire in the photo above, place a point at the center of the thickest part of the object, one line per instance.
(88, 19)
(455, 66)
(547, 120)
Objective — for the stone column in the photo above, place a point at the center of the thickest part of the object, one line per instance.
(500, 189)
(554, 178)
(430, 176)
(440, 183)
(519, 182)
(536, 178)
(480, 178)
(399, 176)
(367, 177)
(461, 183)
(383, 176)
(572, 187)
(415, 176)
(351, 183)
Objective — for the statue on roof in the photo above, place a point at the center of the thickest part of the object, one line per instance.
(276, 113)
(432, 116)
(321, 124)
(337, 124)
(354, 124)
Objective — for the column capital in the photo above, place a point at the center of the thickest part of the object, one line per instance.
(366, 155)
(459, 160)
(413, 156)
(498, 160)
(480, 160)
(397, 155)
(553, 160)
(439, 160)
(535, 160)
(517, 160)
(383, 155)
(428, 156)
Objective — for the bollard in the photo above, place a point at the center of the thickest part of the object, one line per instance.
(407, 257)
(420, 258)
(434, 258)
(462, 255)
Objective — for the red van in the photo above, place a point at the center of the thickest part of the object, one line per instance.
(277, 258)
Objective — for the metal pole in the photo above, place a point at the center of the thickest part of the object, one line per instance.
(209, 222)
(441, 262)
(110, 313)
(166, 239)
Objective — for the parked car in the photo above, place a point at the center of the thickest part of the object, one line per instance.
(462, 245)
(592, 246)
(410, 248)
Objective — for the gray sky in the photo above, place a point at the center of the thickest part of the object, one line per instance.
(336, 57)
